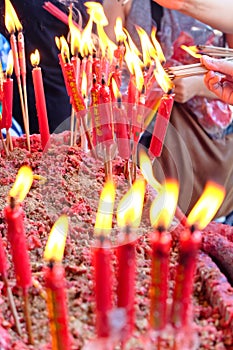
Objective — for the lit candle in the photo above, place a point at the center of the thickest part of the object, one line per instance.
(7, 103)
(161, 214)
(161, 124)
(190, 241)
(55, 284)
(14, 216)
(94, 109)
(40, 99)
(129, 213)
(102, 257)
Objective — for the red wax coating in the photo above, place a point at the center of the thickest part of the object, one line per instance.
(14, 49)
(119, 53)
(96, 68)
(21, 48)
(126, 275)
(7, 103)
(16, 237)
(3, 261)
(102, 258)
(104, 67)
(160, 244)
(83, 66)
(138, 119)
(116, 75)
(76, 63)
(161, 124)
(184, 280)
(41, 106)
(62, 64)
(89, 73)
(77, 100)
(105, 111)
(121, 128)
(55, 284)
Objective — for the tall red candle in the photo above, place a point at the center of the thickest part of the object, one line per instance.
(105, 113)
(184, 280)
(14, 216)
(103, 280)
(40, 100)
(161, 124)
(160, 244)
(95, 115)
(7, 103)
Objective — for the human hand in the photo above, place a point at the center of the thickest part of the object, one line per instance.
(186, 88)
(219, 79)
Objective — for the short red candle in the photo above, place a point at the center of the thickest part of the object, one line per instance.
(161, 124)
(54, 276)
(188, 249)
(14, 216)
(7, 103)
(160, 244)
(102, 257)
(126, 276)
(41, 106)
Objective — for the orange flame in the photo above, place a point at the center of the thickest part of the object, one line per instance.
(162, 77)
(118, 29)
(96, 12)
(207, 205)
(115, 89)
(10, 63)
(192, 50)
(148, 49)
(131, 44)
(87, 45)
(11, 19)
(134, 65)
(147, 171)
(75, 35)
(55, 246)
(159, 51)
(35, 58)
(130, 207)
(164, 205)
(103, 223)
(22, 183)
(65, 52)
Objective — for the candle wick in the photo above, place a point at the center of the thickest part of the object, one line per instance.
(102, 239)
(51, 263)
(192, 228)
(12, 202)
(160, 228)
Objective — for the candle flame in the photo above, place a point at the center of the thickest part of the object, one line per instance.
(10, 63)
(65, 52)
(148, 49)
(164, 205)
(87, 45)
(131, 44)
(118, 29)
(103, 223)
(162, 77)
(35, 58)
(22, 183)
(192, 50)
(106, 45)
(11, 19)
(130, 207)
(55, 246)
(207, 205)
(96, 12)
(147, 170)
(159, 51)
(75, 35)
(58, 43)
(84, 84)
(134, 65)
(115, 89)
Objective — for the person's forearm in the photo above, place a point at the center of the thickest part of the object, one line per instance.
(217, 14)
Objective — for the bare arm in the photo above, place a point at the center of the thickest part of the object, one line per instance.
(217, 14)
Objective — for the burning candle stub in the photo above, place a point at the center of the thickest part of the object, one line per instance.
(102, 257)
(14, 216)
(40, 99)
(56, 285)
(129, 213)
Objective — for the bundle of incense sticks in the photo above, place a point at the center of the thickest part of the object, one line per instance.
(56, 12)
(188, 70)
(214, 51)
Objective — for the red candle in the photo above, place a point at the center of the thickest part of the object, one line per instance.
(121, 127)
(14, 216)
(126, 276)
(161, 124)
(102, 258)
(105, 114)
(7, 103)
(57, 305)
(96, 67)
(40, 100)
(96, 119)
(184, 280)
(55, 284)
(160, 244)
(3, 261)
